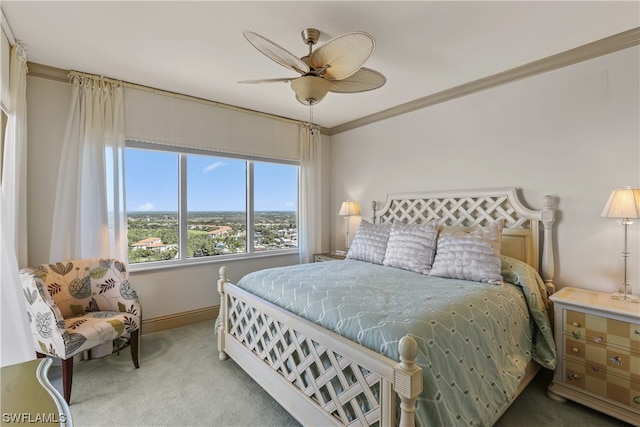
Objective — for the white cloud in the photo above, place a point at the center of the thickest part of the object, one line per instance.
(146, 207)
(212, 166)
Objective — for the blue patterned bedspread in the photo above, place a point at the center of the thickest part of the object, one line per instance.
(474, 339)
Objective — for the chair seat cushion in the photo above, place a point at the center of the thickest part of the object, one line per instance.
(96, 327)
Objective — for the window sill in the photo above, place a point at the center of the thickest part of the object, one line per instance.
(216, 259)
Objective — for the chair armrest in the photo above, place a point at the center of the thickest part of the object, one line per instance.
(45, 319)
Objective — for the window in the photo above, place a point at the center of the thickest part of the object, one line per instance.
(275, 196)
(151, 186)
(186, 205)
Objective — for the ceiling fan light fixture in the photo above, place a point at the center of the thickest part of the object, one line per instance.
(310, 89)
(336, 66)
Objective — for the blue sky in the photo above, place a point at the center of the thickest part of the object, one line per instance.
(213, 183)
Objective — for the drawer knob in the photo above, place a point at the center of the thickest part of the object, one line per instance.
(616, 360)
(572, 376)
(576, 324)
(575, 349)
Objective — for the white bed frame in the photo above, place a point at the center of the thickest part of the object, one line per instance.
(297, 362)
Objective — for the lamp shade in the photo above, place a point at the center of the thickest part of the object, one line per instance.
(310, 89)
(349, 208)
(623, 203)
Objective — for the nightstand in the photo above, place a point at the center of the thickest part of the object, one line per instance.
(328, 256)
(598, 342)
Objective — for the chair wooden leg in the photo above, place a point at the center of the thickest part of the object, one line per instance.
(67, 376)
(134, 347)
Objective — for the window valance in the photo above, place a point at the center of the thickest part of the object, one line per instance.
(176, 120)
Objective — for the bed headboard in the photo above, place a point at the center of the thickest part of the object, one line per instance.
(522, 237)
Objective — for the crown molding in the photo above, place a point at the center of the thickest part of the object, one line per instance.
(582, 53)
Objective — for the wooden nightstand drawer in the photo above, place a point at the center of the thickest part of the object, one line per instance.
(601, 330)
(598, 343)
(615, 360)
(599, 380)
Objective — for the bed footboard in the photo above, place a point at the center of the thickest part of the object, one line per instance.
(318, 376)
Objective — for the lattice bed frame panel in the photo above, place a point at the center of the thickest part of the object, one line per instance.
(343, 388)
(472, 208)
(466, 211)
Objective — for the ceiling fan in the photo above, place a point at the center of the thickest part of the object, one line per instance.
(333, 67)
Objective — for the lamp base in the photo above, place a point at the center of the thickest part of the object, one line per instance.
(627, 297)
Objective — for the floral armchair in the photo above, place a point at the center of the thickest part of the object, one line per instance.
(77, 305)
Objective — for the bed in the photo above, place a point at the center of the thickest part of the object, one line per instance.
(365, 342)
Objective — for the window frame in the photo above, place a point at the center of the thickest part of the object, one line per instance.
(183, 152)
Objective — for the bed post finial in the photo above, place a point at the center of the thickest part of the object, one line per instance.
(222, 326)
(407, 380)
(548, 259)
(223, 273)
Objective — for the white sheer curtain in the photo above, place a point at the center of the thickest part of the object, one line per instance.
(309, 229)
(89, 218)
(16, 334)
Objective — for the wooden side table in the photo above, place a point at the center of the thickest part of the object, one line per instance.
(29, 398)
(598, 342)
(328, 256)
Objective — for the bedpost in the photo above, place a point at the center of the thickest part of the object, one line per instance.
(373, 210)
(548, 264)
(222, 327)
(407, 380)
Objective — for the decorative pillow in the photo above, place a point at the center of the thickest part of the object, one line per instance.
(471, 255)
(370, 242)
(412, 246)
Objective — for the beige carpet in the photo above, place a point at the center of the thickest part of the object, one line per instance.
(181, 382)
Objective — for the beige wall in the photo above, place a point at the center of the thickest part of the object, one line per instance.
(573, 133)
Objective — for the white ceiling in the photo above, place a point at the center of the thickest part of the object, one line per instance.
(197, 48)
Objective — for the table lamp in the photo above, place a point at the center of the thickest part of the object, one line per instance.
(347, 210)
(624, 203)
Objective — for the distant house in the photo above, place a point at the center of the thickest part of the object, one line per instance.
(150, 243)
(223, 230)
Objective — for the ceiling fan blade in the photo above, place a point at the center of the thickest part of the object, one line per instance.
(344, 55)
(361, 81)
(275, 52)
(275, 80)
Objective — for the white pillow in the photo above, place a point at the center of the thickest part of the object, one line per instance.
(412, 246)
(471, 255)
(370, 242)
